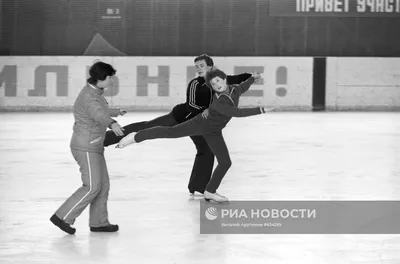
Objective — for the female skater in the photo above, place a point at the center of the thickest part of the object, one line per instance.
(210, 125)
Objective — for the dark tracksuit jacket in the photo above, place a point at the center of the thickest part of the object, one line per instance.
(225, 106)
(199, 96)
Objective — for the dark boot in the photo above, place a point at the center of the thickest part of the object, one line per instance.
(62, 225)
(108, 228)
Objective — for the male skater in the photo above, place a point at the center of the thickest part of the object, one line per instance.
(198, 98)
(223, 107)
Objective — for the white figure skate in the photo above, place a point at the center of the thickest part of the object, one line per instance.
(215, 197)
(127, 140)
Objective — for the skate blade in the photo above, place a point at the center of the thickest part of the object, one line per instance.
(214, 201)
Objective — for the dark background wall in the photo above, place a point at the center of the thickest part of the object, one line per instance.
(187, 28)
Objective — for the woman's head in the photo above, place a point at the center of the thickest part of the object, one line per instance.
(100, 74)
(217, 80)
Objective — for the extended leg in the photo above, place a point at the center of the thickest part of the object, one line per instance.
(165, 120)
(189, 128)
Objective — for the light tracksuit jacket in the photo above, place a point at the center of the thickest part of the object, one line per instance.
(92, 117)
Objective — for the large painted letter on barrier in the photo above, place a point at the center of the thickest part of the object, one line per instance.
(143, 79)
(8, 77)
(41, 80)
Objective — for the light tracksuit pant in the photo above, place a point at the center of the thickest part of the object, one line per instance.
(94, 190)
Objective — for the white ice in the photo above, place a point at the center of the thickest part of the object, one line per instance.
(277, 156)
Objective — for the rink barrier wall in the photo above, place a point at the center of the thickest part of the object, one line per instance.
(363, 84)
(147, 83)
(159, 83)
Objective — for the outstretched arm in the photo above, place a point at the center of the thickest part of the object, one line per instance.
(225, 107)
(98, 113)
(237, 79)
(244, 86)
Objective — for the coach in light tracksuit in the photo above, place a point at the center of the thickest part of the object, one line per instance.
(92, 117)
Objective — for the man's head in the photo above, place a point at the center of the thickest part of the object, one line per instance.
(217, 80)
(203, 64)
(100, 74)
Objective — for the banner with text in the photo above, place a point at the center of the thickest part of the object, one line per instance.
(147, 83)
(339, 8)
(300, 217)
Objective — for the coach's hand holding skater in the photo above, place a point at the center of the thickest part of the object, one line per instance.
(92, 117)
(224, 106)
(117, 129)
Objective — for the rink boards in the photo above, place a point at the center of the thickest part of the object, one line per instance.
(363, 84)
(159, 83)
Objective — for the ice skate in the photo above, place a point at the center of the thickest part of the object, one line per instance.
(126, 141)
(195, 192)
(196, 196)
(215, 197)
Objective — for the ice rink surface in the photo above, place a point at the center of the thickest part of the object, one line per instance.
(277, 156)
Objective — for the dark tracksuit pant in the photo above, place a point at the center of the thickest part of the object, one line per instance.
(202, 167)
(204, 160)
(215, 141)
(165, 120)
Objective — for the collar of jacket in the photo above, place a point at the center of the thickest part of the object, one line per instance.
(96, 89)
(227, 91)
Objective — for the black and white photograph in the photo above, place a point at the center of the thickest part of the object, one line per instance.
(200, 131)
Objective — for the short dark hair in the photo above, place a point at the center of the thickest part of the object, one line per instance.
(206, 58)
(99, 72)
(212, 74)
